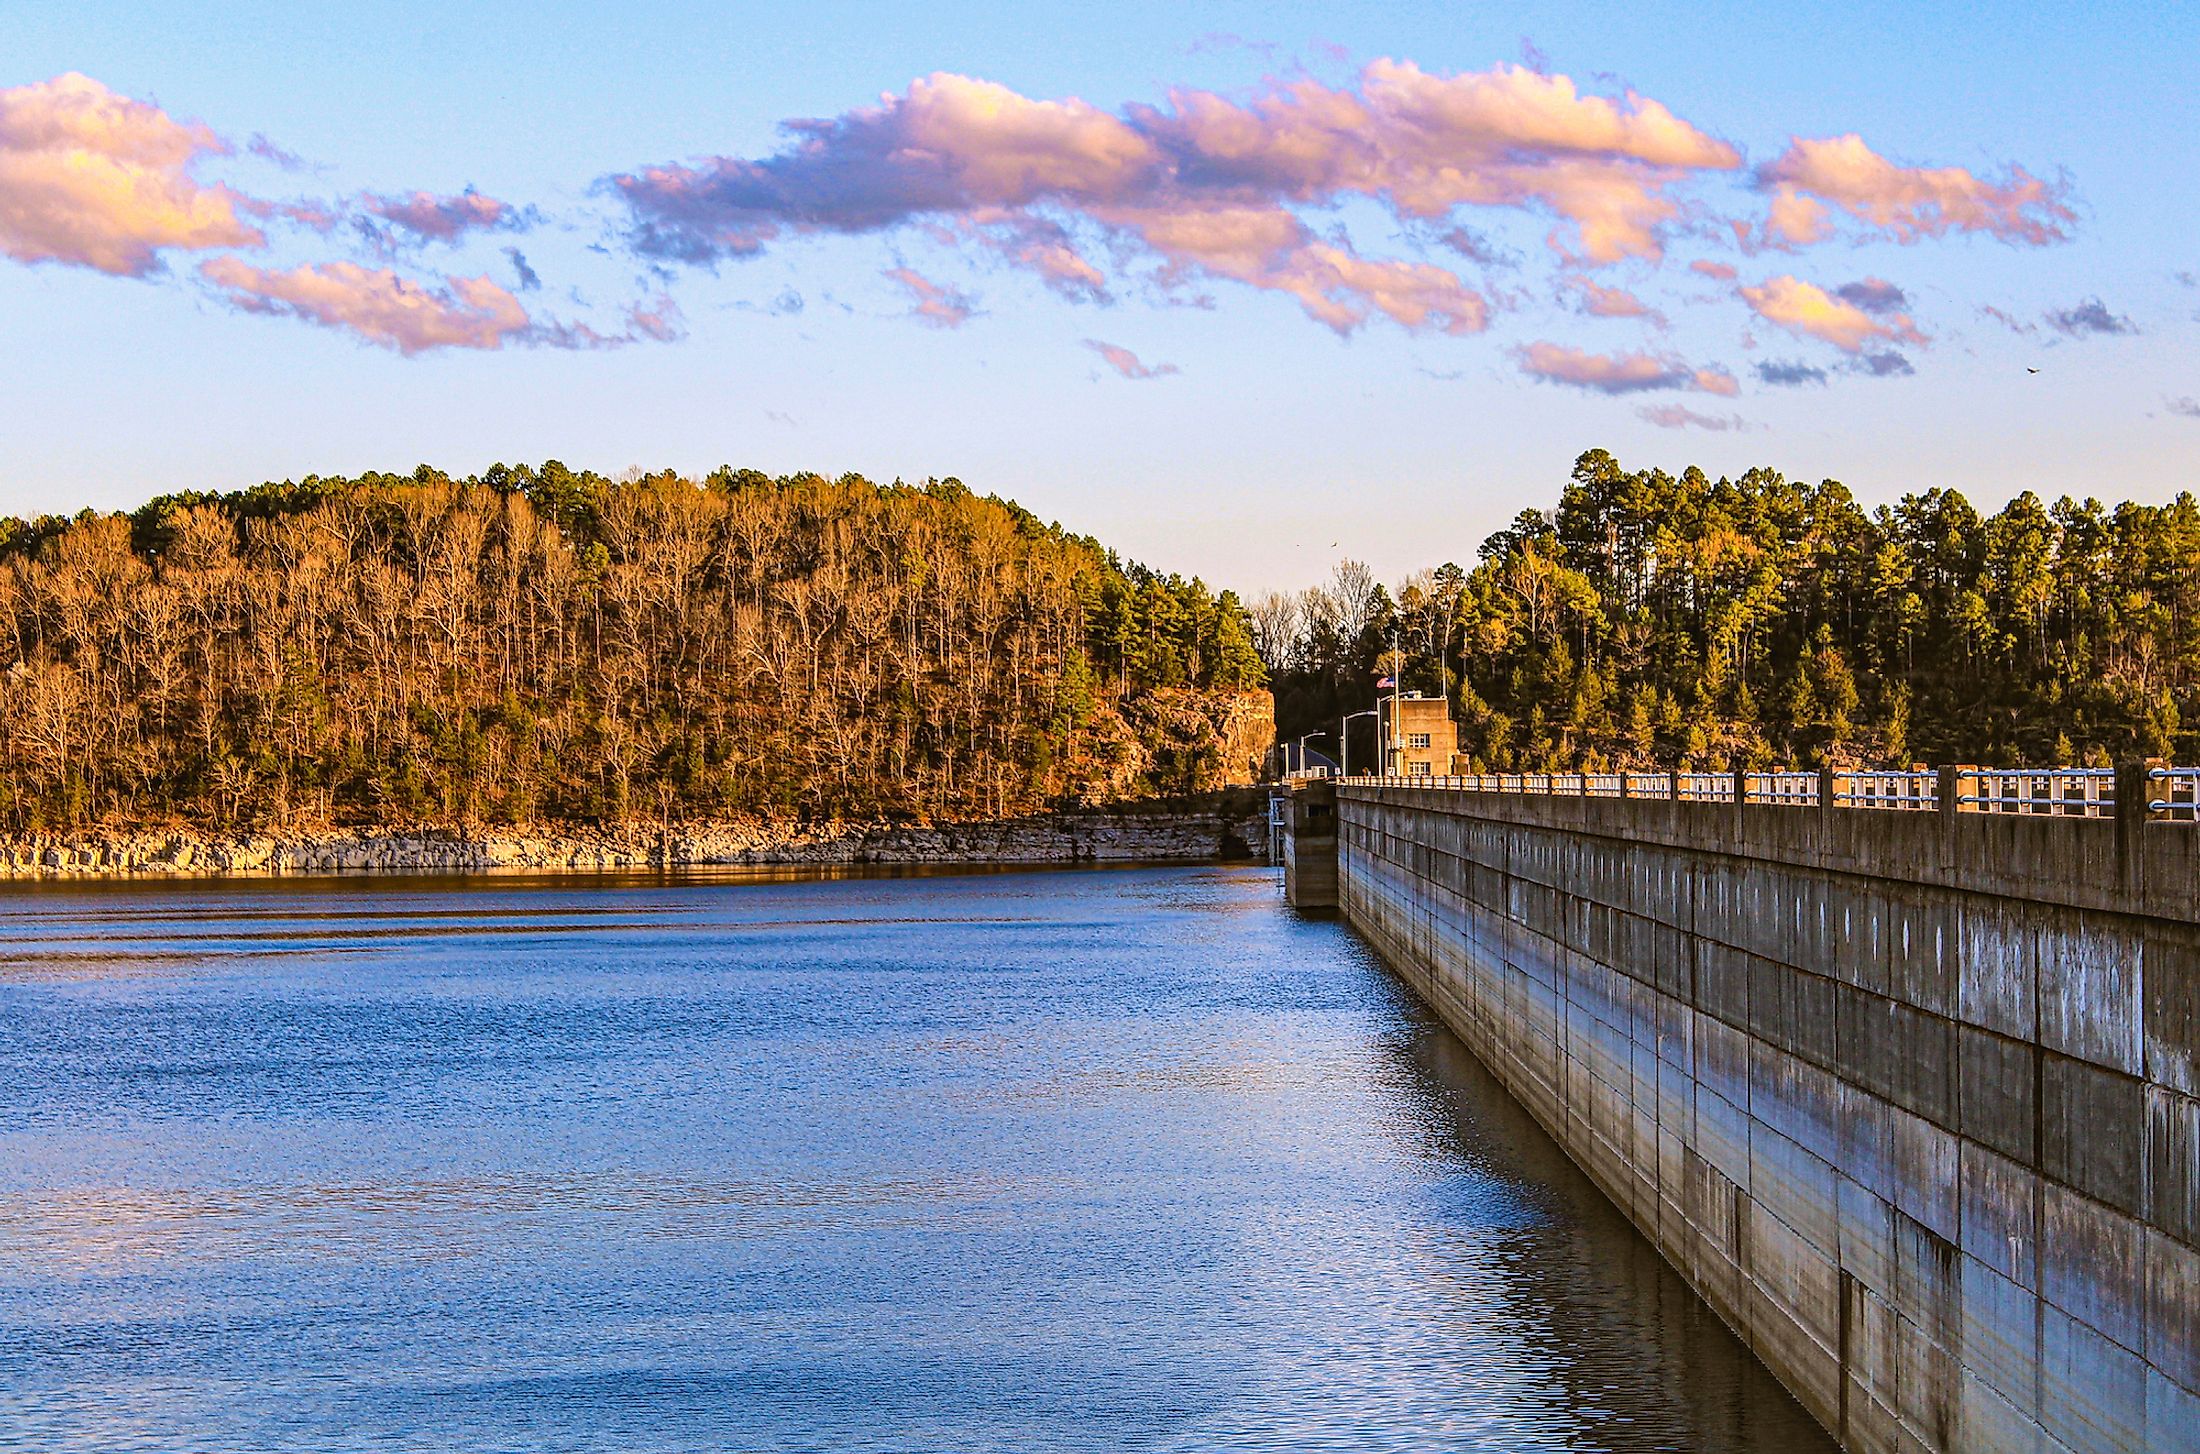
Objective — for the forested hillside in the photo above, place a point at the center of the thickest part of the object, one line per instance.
(1650, 620)
(537, 646)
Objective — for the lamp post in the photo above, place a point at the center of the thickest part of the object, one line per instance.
(1309, 737)
(1344, 740)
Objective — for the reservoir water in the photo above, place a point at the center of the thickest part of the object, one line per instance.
(1110, 1160)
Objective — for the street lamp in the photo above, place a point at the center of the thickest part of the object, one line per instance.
(1309, 737)
(1344, 740)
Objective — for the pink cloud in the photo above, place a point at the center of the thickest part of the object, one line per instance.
(1126, 363)
(1206, 186)
(377, 304)
(1270, 248)
(97, 180)
(1599, 301)
(318, 216)
(1807, 309)
(1622, 373)
(935, 303)
(658, 320)
(1045, 248)
(444, 219)
(1813, 177)
(1426, 144)
(1717, 272)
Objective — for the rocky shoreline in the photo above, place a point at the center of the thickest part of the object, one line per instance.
(1231, 825)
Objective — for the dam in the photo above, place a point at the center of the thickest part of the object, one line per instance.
(1900, 1071)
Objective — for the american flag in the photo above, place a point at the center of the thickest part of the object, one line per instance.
(1381, 682)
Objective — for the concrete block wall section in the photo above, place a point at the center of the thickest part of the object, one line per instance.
(1307, 810)
(1912, 1103)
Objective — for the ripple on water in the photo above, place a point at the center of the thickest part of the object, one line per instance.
(1120, 1160)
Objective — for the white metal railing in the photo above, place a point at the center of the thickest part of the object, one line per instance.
(1705, 787)
(2063, 792)
(1794, 789)
(1913, 791)
(2172, 793)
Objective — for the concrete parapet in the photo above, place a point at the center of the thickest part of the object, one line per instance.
(1911, 1098)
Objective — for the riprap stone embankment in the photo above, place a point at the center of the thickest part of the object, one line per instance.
(1223, 825)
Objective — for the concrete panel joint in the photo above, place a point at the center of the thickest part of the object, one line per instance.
(1912, 1099)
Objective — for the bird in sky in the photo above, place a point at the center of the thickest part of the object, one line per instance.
(2030, 370)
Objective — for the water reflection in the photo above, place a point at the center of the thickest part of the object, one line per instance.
(1096, 1160)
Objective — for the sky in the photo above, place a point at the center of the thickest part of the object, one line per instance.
(1238, 289)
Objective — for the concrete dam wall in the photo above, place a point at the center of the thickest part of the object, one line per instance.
(1911, 1098)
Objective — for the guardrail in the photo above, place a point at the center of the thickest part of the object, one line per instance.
(2172, 793)
(1704, 787)
(2066, 792)
(1898, 791)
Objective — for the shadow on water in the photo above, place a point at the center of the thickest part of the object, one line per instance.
(1622, 1331)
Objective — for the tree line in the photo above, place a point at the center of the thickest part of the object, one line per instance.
(1652, 620)
(537, 645)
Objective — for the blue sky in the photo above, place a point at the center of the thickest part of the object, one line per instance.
(1274, 420)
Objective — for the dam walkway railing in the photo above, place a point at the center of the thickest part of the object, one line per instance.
(2159, 792)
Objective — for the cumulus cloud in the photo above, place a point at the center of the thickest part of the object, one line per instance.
(1598, 301)
(1164, 200)
(1126, 363)
(1883, 365)
(1205, 186)
(1680, 416)
(1807, 309)
(1788, 373)
(97, 180)
(934, 303)
(1813, 178)
(1620, 373)
(2089, 318)
(430, 218)
(376, 304)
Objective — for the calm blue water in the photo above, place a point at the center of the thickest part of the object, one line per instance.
(1104, 1160)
